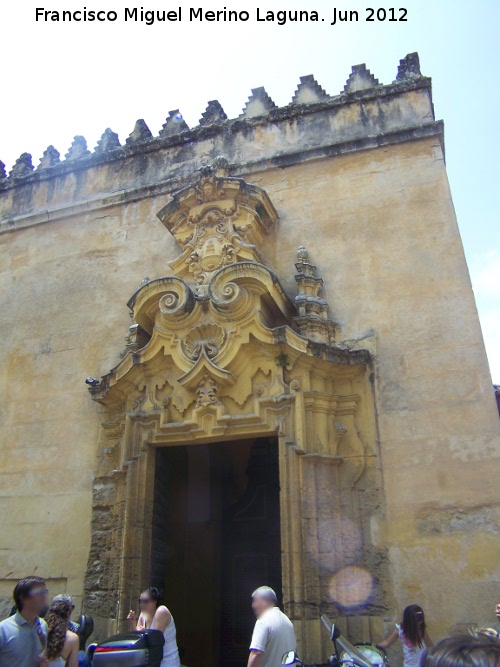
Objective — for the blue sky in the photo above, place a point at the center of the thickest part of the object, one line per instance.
(60, 79)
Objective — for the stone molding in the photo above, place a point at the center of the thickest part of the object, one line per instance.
(259, 110)
(221, 356)
(245, 168)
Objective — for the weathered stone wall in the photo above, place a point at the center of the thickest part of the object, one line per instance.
(360, 179)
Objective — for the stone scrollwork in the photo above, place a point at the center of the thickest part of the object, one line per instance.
(177, 298)
(137, 402)
(220, 278)
(224, 295)
(213, 246)
(217, 221)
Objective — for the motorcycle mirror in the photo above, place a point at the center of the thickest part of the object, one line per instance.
(289, 658)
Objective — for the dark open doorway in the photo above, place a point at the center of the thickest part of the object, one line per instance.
(216, 537)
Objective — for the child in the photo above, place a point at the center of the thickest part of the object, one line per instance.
(413, 635)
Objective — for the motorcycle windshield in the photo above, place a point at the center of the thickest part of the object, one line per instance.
(357, 657)
(346, 646)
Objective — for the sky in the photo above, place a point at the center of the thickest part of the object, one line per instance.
(64, 79)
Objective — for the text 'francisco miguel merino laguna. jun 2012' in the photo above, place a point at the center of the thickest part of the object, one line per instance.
(223, 15)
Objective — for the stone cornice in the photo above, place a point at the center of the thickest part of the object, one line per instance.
(315, 126)
(202, 132)
(169, 185)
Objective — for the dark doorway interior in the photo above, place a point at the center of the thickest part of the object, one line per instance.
(216, 537)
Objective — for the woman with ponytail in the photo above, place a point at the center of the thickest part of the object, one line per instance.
(62, 645)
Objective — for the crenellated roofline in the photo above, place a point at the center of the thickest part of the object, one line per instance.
(309, 98)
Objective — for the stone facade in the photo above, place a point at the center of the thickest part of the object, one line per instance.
(309, 285)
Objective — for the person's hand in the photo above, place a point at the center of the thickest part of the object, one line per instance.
(43, 661)
(131, 615)
(497, 611)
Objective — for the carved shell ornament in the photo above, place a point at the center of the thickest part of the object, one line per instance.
(208, 338)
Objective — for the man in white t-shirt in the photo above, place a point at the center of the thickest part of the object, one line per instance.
(273, 634)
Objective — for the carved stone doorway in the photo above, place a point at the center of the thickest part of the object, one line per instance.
(216, 537)
(219, 353)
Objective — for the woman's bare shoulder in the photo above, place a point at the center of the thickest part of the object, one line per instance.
(72, 638)
(162, 611)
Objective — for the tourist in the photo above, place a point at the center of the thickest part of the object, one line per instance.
(155, 616)
(497, 612)
(62, 644)
(273, 634)
(413, 635)
(23, 637)
(481, 650)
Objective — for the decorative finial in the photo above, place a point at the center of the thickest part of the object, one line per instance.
(409, 67)
(360, 79)
(107, 142)
(308, 91)
(50, 157)
(214, 114)
(23, 166)
(302, 254)
(139, 134)
(175, 124)
(259, 104)
(78, 149)
(312, 310)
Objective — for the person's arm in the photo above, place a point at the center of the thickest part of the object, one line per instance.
(132, 624)
(255, 658)
(260, 638)
(162, 618)
(73, 643)
(390, 640)
(141, 623)
(428, 641)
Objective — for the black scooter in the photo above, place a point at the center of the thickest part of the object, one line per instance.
(361, 655)
(139, 648)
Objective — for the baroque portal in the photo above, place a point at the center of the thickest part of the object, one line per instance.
(218, 352)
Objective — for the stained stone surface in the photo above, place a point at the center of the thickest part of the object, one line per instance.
(360, 181)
